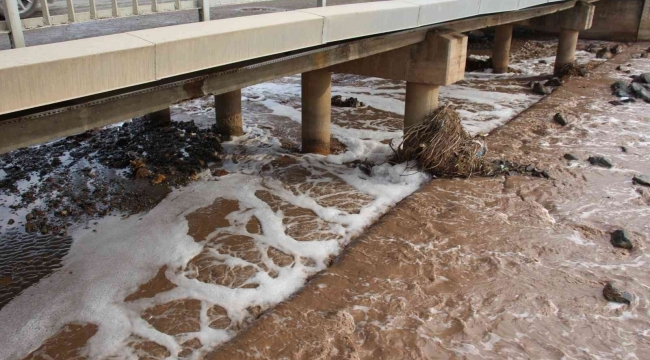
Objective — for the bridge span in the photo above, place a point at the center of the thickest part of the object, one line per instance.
(54, 90)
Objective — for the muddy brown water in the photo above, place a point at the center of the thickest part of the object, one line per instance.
(508, 267)
(503, 267)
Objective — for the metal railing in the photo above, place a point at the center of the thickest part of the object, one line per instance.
(15, 26)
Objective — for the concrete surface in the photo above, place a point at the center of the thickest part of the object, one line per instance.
(58, 72)
(119, 25)
(495, 6)
(191, 47)
(435, 11)
(354, 20)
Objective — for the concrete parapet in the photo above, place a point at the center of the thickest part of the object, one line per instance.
(356, 20)
(530, 3)
(437, 11)
(192, 47)
(46, 74)
(495, 6)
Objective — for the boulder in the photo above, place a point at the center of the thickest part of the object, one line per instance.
(555, 82)
(613, 294)
(621, 239)
(600, 161)
(641, 180)
(641, 92)
(540, 89)
(560, 119)
(570, 157)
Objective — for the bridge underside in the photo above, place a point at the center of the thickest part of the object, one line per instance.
(38, 125)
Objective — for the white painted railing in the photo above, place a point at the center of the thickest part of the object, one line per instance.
(15, 30)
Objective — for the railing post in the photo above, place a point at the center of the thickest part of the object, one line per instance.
(15, 25)
(205, 10)
(321, 3)
(134, 6)
(71, 15)
(45, 8)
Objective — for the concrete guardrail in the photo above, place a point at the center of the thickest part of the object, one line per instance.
(46, 74)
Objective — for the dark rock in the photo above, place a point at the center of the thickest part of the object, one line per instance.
(593, 48)
(31, 227)
(555, 82)
(641, 92)
(545, 174)
(644, 78)
(623, 149)
(11, 222)
(600, 161)
(644, 55)
(641, 180)
(352, 102)
(570, 157)
(617, 49)
(604, 53)
(560, 119)
(540, 89)
(617, 103)
(583, 71)
(620, 85)
(473, 64)
(621, 239)
(543, 62)
(611, 293)
(619, 68)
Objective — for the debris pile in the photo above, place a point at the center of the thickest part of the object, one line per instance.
(127, 168)
(639, 88)
(440, 146)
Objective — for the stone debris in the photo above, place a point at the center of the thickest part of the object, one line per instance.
(571, 157)
(600, 161)
(621, 239)
(554, 82)
(641, 180)
(613, 294)
(561, 119)
(351, 102)
(540, 89)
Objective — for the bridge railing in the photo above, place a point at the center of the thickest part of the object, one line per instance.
(15, 26)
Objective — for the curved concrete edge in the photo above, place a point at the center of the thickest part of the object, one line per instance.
(496, 6)
(46, 74)
(41, 75)
(437, 11)
(192, 47)
(530, 3)
(357, 20)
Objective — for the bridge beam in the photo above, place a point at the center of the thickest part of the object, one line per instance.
(437, 61)
(227, 108)
(572, 22)
(316, 111)
(161, 117)
(501, 50)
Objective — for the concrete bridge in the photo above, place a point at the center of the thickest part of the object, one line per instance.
(55, 90)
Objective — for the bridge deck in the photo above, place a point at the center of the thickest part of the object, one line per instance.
(38, 122)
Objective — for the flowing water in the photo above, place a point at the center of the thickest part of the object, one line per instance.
(214, 256)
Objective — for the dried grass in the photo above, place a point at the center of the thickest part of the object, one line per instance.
(440, 146)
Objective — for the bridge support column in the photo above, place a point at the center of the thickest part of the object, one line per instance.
(161, 117)
(227, 108)
(316, 111)
(571, 23)
(501, 51)
(421, 100)
(566, 49)
(437, 61)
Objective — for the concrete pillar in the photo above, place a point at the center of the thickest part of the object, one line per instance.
(227, 108)
(161, 117)
(501, 51)
(566, 48)
(421, 100)
(316, 111)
